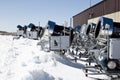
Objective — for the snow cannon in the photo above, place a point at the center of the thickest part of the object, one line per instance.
(106, 54)
(35, 31)
(57, 30)
(106, 27)
(85, 39)
(20, 32)
(60, 37)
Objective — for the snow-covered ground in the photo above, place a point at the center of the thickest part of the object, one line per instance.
(23, 59)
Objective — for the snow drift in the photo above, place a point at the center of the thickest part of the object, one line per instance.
(24, 59)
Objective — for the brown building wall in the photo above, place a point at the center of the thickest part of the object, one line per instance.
(100, 9)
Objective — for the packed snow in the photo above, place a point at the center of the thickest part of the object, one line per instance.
(25, 59)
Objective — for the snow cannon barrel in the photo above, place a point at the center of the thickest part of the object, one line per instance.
(77, 28)
(106, 27)
(57, 30)
(19, 27)
(32, 26)
(90, 28)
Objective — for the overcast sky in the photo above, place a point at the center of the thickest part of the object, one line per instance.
(23, 12)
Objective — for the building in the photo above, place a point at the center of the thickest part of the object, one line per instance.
(106, 8)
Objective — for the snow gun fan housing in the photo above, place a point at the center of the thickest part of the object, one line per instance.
(58, 30)
(77, 28)
(19, 27)
(90, 28)
(38, 29)
(32, 26)
(106, 27)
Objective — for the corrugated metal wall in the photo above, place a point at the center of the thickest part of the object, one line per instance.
(100, 9)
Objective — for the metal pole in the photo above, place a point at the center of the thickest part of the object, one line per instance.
(65, 25)
(64, 29)
(39, 24)
(90, 14)
(70, 22)
(90, 3)
(108, 40)
(70, 29)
